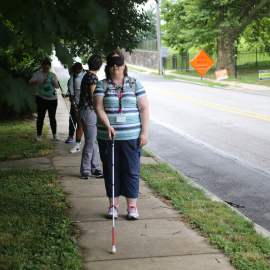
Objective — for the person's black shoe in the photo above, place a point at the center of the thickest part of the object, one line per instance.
(97, 174)
(85, 176)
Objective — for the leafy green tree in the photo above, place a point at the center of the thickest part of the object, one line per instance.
(70, 27)
(152, 34)
(197, 23)
(257, 34)
(17, 65)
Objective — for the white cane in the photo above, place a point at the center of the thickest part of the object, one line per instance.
(113, 220)
(67, 108)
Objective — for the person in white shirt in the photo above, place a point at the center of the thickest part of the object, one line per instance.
(46, 97)
(74, 89)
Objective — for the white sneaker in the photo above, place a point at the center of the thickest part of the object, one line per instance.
(75, 149)
(111, 209)
(56, 138)
(132, 212)
(39, 138)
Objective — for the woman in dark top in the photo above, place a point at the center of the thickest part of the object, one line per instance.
(88, 118)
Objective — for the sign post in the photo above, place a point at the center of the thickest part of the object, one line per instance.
(202, 62)
(235, 45)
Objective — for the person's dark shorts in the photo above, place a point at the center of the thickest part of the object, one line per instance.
(127, 155)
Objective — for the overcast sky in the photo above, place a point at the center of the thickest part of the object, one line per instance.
(147, 5)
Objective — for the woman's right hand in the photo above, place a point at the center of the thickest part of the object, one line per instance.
(111, 132)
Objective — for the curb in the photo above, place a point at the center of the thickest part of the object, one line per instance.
(203, 84)
(259, 229)
(219, 87)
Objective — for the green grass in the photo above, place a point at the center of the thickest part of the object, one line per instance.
(248, 75)
(208, 83)
(18, 141)
(155, 73)
(35, 232)
(146, 153)
(136, 69)
(224, 228)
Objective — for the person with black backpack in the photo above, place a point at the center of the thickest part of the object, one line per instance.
(74, 90)
(46, 97)
(88, 118)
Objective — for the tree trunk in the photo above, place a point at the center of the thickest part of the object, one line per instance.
(225, 57)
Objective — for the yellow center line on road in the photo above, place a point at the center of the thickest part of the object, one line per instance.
(209, 104)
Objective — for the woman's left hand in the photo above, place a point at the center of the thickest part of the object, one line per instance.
(143, 139)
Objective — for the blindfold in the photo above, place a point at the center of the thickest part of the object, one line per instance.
(115, 61)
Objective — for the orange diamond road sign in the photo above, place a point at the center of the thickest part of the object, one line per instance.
(202, 62)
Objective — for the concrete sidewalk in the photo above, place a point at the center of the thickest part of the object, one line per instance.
(159, 240)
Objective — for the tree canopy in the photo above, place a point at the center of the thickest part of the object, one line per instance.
(70, 27)
(152, 34)
(212, 23)
(257, 34)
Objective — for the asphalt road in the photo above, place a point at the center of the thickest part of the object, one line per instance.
(219, 138)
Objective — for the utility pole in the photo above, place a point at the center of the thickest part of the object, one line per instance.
(235, 55)
(159, 38)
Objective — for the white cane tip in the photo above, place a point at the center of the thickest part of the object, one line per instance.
(113, 250)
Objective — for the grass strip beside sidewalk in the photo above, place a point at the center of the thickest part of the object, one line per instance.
(136, 69)
(146, 153)
(223, 227)
(18, 141)
(208, 83)
(35, 232)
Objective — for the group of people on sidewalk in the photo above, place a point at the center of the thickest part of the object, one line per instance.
(114, 107)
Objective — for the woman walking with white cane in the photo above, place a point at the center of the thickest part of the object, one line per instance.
(121, 106)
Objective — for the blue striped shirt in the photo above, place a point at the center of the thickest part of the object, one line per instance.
(131, 129)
